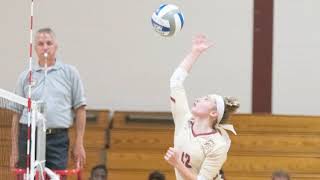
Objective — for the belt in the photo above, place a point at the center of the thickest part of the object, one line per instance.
(56, 130)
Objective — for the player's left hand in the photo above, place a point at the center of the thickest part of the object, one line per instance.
(173, 156)
(79, 155)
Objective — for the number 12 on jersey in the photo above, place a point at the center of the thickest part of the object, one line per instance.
(185, 159)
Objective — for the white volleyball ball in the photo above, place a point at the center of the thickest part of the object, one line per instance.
(167, 20)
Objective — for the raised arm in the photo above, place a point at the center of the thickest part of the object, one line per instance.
(179, 103)
(199, 45)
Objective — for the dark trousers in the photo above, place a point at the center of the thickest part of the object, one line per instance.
(57, 146)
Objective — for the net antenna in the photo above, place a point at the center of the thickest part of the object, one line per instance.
(33, 116)
(30, 158)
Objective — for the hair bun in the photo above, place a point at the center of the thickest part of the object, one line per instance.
(232, 104)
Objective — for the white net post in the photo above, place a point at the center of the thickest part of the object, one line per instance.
(41, 140)
(32, 148)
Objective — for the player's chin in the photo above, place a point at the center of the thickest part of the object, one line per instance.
(196, 111)
(199, 113)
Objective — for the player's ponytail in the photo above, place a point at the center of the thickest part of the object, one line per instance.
(231, 105)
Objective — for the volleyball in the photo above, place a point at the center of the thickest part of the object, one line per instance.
(167, 20)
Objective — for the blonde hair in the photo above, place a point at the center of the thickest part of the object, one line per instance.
(231, 104)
